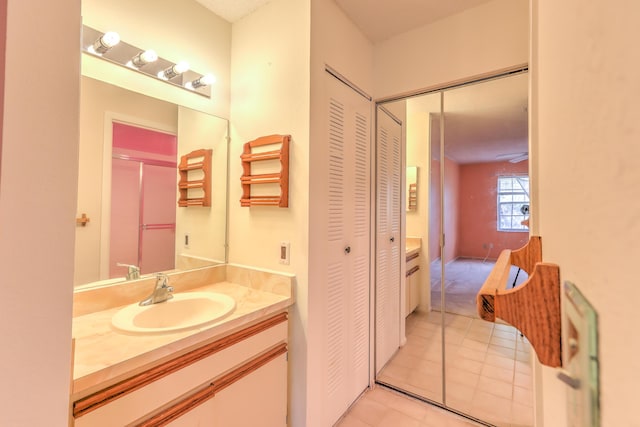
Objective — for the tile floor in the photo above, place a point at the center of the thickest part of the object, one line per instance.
(488, 367)
(381, 407)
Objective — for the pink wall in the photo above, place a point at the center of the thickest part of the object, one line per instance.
(3, 45)
(478, 210)
(451, 209)
(434, 211)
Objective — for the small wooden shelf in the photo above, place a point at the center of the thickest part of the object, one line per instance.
(533, 307)
(413, 197)
(280, 177)
(198, 160)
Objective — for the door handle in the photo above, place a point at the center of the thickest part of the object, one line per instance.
(392, 239)
(347, 250)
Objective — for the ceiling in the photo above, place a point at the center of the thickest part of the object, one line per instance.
(387, 19)
(483, 121)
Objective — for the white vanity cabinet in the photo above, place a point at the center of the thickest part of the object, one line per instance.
(412, 285)
(239, 379)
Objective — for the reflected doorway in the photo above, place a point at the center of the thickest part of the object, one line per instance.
(471, 142)
(143, 200)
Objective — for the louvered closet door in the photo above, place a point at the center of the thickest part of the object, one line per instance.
(388, 245)
(348, 235)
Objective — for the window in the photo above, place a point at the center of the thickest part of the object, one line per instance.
(513, 202)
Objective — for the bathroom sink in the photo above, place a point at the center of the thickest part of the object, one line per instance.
(184, 311)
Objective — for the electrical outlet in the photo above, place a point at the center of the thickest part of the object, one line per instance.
(285, 249)
(187, 238)
(490, 245)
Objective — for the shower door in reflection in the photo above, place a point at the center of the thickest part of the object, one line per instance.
(143, 200)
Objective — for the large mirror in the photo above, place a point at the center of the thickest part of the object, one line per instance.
(130, 148)
(471, 146)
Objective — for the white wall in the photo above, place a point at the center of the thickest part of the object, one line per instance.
(37, 211)
(586, 127)
(489, 37)
(270, 92)
(176, 30)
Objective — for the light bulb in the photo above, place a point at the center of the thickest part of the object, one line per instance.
(106, 42)
(144, 58)
(174, 70)
(205, 80)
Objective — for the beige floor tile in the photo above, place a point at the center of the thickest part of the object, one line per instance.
(523, 396)
(503, 342)
(521, 415)
(395, 418)
(495, 387)
(509, 335)
(523, 356)
(351, 421)
(523, 380)
(465, 365)
(368, 410)
(459, 391)
(492, 408)
(430, 368)
(501, 351)
(483, 336)
(474, 345)
(523, 367)
(469, 353)
(504, 327)
(437, 417)
(500, 361)
(462, 377)
(497, 373)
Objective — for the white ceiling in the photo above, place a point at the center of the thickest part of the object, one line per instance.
(377, 19)
(382, 19)
(482, 121)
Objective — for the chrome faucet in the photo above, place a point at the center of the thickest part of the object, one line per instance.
(161, 292)
(133, 271)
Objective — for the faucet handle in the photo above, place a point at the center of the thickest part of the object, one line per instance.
(133, 271)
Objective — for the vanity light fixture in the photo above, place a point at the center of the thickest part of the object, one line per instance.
(143, 58)
(173, 71)
(104, 43)
(108, 47)
(206, 80)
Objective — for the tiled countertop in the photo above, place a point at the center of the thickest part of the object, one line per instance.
(104, 355)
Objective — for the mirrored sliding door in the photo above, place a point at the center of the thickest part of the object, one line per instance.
(469, 147)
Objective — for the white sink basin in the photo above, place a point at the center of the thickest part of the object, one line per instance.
(184, 311)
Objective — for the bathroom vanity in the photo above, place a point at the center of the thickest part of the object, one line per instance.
(412, 286)
(232, 371)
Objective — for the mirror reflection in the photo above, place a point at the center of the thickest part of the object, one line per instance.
(130, 146)
(472, 143)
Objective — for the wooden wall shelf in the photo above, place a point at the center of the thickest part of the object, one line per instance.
(280, 177)
(533, 307)
(198, 160)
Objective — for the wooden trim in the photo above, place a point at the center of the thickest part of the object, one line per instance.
(533, 307)
(118, 390)
(413, 270)
(185, 405)
(413, 256)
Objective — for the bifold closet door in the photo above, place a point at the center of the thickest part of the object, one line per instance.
(388, 192)
(347, 217)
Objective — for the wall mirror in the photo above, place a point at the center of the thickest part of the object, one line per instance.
(128, 186)
(471, 145)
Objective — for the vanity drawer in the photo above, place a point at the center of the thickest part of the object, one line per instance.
(135, 397)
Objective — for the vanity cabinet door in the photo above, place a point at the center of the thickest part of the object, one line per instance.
(242, 353)
(258, 399)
